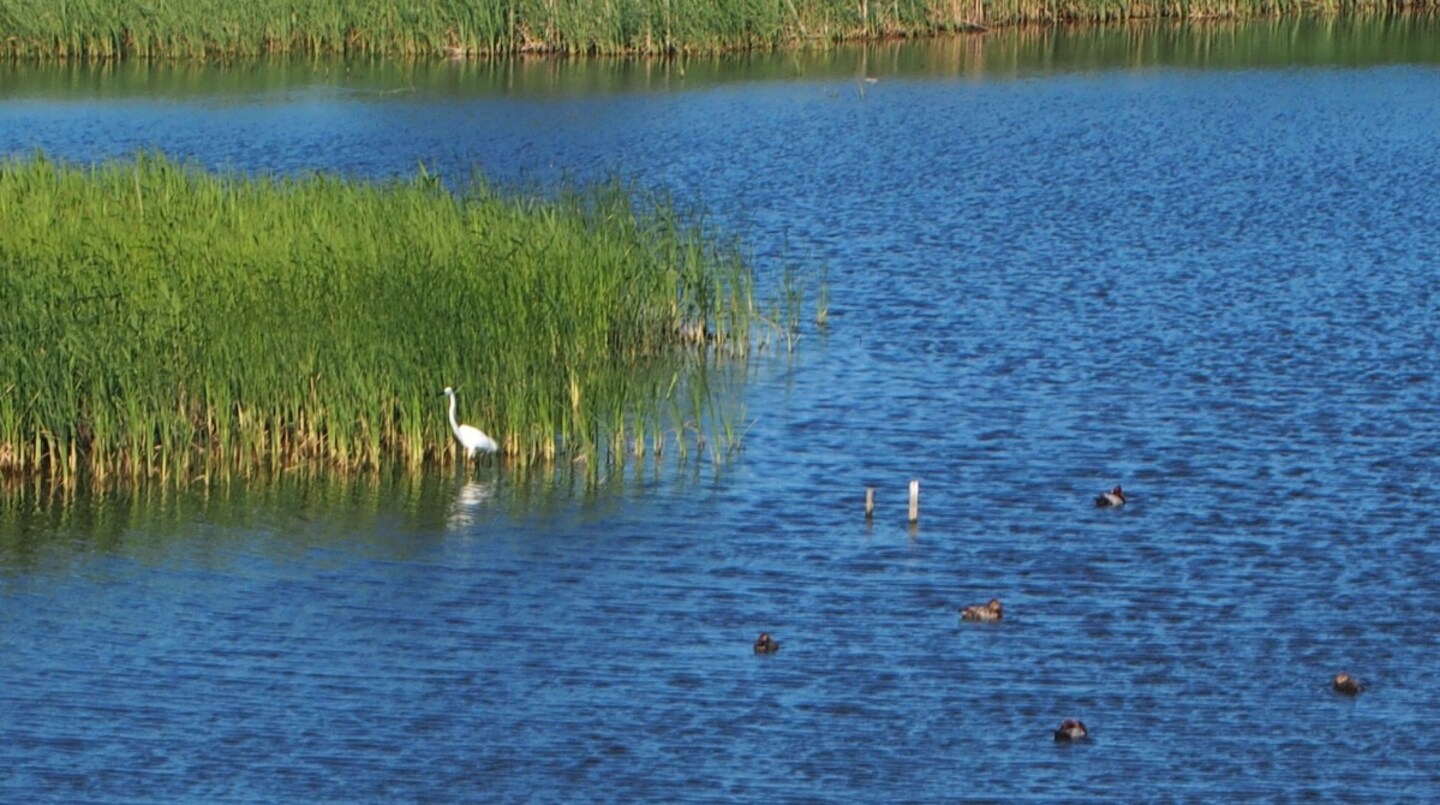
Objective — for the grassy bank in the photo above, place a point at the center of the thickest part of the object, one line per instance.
(207, 29)
(166, 321)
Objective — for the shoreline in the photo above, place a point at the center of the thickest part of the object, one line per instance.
(653, 30)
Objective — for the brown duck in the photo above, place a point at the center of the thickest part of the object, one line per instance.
(1072, 730)
(1115, 497)
(1347, 684)
(992, 611)
(765, 644)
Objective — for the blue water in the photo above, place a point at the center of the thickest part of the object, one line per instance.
(1214, 286)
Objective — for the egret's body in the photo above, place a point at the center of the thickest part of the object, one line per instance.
(471, 438)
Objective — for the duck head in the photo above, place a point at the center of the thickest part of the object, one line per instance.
(1347, 684)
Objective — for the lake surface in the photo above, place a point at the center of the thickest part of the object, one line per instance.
(1199, 264)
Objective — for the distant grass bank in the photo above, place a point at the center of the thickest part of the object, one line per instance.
(161, 320)
(217, 29)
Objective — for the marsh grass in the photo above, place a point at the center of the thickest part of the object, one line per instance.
(215, 29)
(210, 29)
(164, 321)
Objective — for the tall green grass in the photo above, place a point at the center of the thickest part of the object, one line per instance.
(208, 29)
(188, 29)
(165, 321)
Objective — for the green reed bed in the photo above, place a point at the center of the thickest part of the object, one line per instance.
(208, 29)
(163, 320)
(188, 29)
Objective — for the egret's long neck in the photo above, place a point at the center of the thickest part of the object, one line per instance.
(453, 425)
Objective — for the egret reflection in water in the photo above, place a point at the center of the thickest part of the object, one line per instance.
(470, 497)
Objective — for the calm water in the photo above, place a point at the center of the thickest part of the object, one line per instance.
(1201, 266)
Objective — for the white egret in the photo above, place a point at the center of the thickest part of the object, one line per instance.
(471, 438)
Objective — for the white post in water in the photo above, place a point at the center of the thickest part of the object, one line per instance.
(869, 502)
(914, 501)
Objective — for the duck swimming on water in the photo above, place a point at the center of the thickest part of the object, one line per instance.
(1347, 684)
(765, 644)
(993, 611)
(1072, 730)
(1115, 497)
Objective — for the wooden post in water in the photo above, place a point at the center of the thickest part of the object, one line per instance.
(914, 501)
(869, 503)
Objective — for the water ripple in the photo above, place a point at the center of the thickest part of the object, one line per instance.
(1213, 287)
